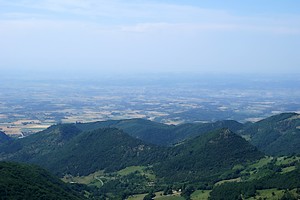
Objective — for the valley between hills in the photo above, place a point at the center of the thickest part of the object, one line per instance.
(141, 159)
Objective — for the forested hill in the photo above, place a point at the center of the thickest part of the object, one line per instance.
(207, 157)
(63, 149)
(276, 135)
(34, 147)
(22, 181)
(161, 134)
(108, 149)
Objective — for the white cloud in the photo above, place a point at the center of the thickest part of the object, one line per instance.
(142, 16)
(117, 33)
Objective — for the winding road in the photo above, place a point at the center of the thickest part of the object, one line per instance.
(99, 179)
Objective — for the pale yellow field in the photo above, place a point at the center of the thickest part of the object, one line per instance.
(91, 116)
(3, 116)
(11, 130)
(38, 126)
(16, 127)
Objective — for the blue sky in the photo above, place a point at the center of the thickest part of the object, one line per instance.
(233, 36)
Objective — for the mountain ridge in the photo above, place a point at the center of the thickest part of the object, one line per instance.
(158, 133)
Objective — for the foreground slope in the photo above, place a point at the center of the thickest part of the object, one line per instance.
(276, 135)
(22, 181)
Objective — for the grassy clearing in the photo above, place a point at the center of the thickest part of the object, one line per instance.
(137, 197)
(99, 178)
(262, 162)
(158, 196)
(257, 170)
(228, 181)
(288, 169)
(238, 167)
(88, 180)
(287, 160)
(272, 194)
(200, 195)
(141, 169)
(131, 169)
(169, 198)
(246, 137)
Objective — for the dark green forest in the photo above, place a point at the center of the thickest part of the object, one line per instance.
(185, 158)
(22, 181)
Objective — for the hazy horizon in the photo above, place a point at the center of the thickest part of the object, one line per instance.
(148, 36)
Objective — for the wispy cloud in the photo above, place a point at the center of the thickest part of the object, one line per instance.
(145, 33)
(141, 16)
(202, 27)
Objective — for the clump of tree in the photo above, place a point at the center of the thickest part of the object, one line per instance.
(187, 191)
(168, 190)
(149, 196)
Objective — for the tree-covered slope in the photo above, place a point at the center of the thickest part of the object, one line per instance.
(206, 157)
(200, 157)
(107, 149)
(22, 181)
(64, 149)
(161, 134)
(148, 131)
(191, 130)
(34, 147)
(4, 138)
(276, 135)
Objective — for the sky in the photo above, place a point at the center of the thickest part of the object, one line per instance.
(190, 36)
